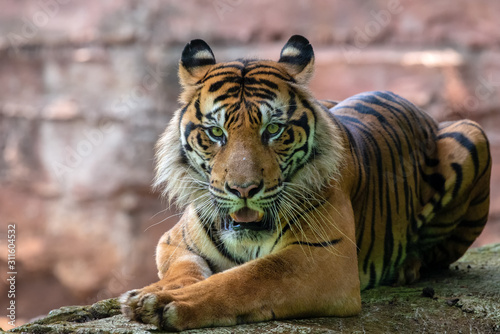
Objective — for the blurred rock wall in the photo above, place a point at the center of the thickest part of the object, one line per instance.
(86, 87)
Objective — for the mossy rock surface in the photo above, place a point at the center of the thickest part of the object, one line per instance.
(464, 299)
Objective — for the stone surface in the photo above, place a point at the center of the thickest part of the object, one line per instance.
(465, 297)
(87, 87)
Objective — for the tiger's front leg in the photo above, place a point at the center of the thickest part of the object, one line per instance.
(283, 285)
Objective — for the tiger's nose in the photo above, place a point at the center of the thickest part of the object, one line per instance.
(245, 191)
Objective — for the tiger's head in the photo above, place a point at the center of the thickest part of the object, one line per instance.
(249, 142)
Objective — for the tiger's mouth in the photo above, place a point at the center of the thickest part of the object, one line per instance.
(246, 215)
(248, 219)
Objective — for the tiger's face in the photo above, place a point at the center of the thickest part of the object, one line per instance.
(248, 139)
(245, 138)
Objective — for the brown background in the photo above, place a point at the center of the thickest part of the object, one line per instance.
(86, 88)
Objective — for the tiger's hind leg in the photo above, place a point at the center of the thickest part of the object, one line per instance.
(460, 213)
(450, 249)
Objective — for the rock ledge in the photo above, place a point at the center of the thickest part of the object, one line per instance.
(462, 299)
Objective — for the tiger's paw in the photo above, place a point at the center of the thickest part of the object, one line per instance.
(174, 310)
(410, 271)
(156, 308)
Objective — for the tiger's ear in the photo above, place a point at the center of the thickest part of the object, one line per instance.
(298, 57)
(197, 58)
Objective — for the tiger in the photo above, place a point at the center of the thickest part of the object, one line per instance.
(292, 205)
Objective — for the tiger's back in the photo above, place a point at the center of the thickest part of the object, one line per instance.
(421, 189)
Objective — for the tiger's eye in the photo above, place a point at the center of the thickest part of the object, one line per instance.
(273, 128)
(216, 131)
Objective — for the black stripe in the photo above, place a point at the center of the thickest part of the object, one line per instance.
(291, 137)
(306, 105)
(280, 235)
(229, 79)
(233, 90)
(318, 244)
(189, 128)
(294, 220)
(195, 62)
(441, 224)
(277, 75)
(184, 158)
(488, 162)
(266, 94)
(373, 277)
(217, 74)
(222, 97)
(401, 112)
(372, 235)
(193, 249)
(269, 83)
(413, 221)
(199, 141)
(292, 103)
(212, 234)
(460, 177)
(388, 240)
(354, 150)
(480, 200)
(459, 240)
(431, 162)
(183, 111)
(302, 122)
(210, 114)
(436, 203)
(212, 188)
(435, 180)
(467, 144)
(210, 264)
(399, 257)
(265, 103)
(474, 223)
(216, 86)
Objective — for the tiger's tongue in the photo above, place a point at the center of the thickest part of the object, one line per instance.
(246, 215)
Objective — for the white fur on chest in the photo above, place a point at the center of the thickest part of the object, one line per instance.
(248, 248)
